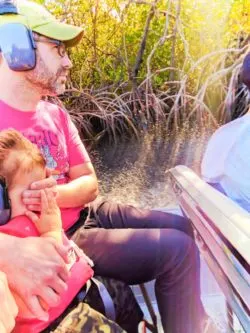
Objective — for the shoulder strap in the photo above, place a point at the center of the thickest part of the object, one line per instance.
(104, 294)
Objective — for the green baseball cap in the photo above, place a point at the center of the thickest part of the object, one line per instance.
(40, 20)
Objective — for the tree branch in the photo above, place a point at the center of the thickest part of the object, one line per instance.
(141, 50)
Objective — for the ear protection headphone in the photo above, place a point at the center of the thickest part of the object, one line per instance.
(5, 207)
(245, 71)
(16, 41)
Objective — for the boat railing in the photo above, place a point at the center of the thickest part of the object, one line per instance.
(222, 232)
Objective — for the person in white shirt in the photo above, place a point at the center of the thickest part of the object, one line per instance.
(226, 162)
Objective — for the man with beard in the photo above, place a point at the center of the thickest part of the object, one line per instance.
(38, 271)
(151, 244)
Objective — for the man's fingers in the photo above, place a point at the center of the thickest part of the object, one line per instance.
(32, 201)
(27, 194)
(42, 184)
(62, 269)
(36, 308)
(50, 297)
(60, 286)
(63, 250)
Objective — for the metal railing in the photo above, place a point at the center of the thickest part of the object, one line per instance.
(222, 232)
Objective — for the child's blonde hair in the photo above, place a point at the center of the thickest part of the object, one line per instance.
(17, 154)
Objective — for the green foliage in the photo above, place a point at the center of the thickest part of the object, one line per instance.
(114, 30)
(183, 56)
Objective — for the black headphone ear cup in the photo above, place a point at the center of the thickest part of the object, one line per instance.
(5, 207)
(8, 7)
(21, 56)
(6, 198)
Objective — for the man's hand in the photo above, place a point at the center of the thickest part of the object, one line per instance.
(36, 269)
(8, 306)
(32, 197)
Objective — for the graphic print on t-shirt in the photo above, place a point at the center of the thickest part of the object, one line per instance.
(53, 151)
(51, 129)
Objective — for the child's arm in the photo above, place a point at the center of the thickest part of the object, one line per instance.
(49, 225)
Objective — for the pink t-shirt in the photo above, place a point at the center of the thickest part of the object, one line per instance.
(21, 226)
(51, 129)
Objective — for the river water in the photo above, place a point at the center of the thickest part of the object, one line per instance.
(133, 172)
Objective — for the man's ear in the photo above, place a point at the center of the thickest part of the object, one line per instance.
(245, 71)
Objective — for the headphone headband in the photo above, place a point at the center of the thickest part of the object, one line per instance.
(8, 7)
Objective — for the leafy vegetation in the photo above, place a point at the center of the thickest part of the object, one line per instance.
(151, 63)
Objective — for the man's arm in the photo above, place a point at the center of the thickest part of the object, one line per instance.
(9, 310)
(82, 189)
(35, 267)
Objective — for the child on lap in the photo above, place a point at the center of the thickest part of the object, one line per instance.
(21, 164)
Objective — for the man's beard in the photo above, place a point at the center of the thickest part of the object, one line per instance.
(48, 83)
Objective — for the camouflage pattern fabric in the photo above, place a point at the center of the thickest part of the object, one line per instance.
(127, 309)
(88, 316)
(84, 319)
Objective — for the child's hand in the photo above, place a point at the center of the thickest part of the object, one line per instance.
(49, 224)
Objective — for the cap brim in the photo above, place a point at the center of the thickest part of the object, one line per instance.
(69, 34)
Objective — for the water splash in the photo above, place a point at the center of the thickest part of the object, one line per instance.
(134, 172)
